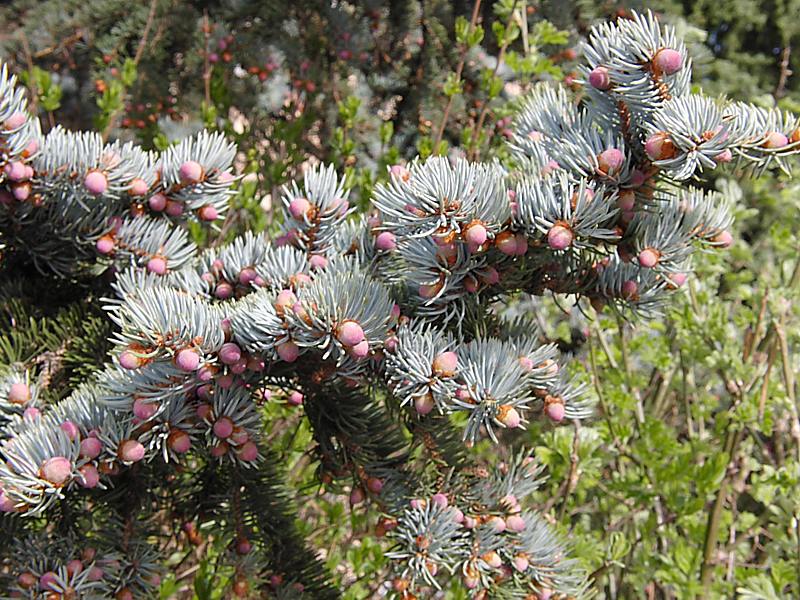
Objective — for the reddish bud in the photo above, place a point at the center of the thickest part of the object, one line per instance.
(157, 202)
(599, 78)
(187, 360)
(191, 172)
(223, 428)
(424, 404)
(130, 451)
(349, 333)
(648, 258)
(560, 236)
(610, 161)
(19, 393)
(95, 183)
(660, 146)
(89, 477)
(56, 470)
(445, 364)
(508, 416)
(386, 241)
(668, 61)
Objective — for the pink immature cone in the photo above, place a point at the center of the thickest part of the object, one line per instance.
(515, 523)
(157, 265)
(129, 360)
(248, 452)
(555, 411)
(775, 139)
(349, 333)
(157, 202)
(19, 393)
(492, 559)
(187, 360)
(526, 364)
(191, 172)
(360, 350)
(386, 241)
(174, 209)
(630, 289)
(626, 200)
(424, 404)
(508, 416)
(295, 398)
(144, 410)
(223, 291)
(288, 351)
(649, 257)
(105, 245)
(208, 213)
(599, 78)
(48, 581)
(70, 429)
(678, 279)
(138, 187)
(521, 563)
(88, 476)
(16, 120)
(440, 500)
(6, 503)
(374, 485)
(491, 276)
(725, 156)
(223, 428)
(95, 183)
(660, 146)
(21, 191)
(243, 546)
(15, 171)
(239, 367)
(560, 236)
(229, 353)
(497, 523)
(91, 448)
(317, 261)
(356, 496)
(56, 470)
(610, 161)
(130, 451)
(27, 580)
(445, 364)
(506, 243)
(299, 208)
(179, 441)
(74, 567)
(475, 234)
(723, 239)
(668, 61)
(247, 276)
(203, 411)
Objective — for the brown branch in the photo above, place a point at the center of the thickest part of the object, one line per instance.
(572, 477)
(780, 90)
(475, 138)
(206, 64)
(459, 69)
(137, 57)
(31, 80)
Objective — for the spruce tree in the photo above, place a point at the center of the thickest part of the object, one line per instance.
(391, 328)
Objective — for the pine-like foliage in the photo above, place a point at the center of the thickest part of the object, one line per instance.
(386, 328)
